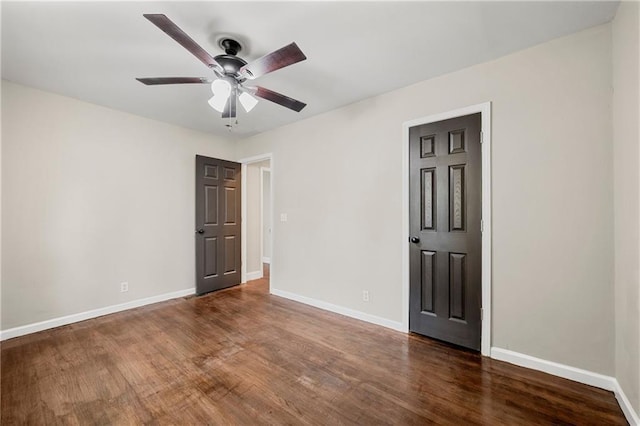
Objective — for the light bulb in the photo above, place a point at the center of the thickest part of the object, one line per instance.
(247, 101)
(218, 102)
(221, 88)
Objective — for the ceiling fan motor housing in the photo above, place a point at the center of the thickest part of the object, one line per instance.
(230, 63)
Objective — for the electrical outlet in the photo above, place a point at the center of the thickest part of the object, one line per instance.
(283, 217)
(124, 287)
(365, 295)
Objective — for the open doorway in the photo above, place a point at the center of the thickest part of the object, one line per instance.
(257, 235)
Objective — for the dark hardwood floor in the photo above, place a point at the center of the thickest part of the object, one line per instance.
(242, 356)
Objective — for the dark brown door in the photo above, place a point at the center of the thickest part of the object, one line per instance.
(445, 230)
(217, 224)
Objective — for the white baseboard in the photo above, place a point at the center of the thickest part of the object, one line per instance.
(572, 373)
(561, 370)
(69, 319)
(339, 310)
(632, 417)
(255, 275)
(266, 260)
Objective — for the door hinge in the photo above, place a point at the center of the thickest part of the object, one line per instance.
(481, 225)
(481, 136)
(481, 314)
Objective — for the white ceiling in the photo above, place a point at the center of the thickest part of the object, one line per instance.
(93, 50)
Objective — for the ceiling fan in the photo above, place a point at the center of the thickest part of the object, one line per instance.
(231, 71)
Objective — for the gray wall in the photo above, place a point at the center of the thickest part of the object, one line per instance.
(93, 197)
(552, 199)
(626, 140)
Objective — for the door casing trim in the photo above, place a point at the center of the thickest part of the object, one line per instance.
(263, 170)
(243, 226)
(485, 110)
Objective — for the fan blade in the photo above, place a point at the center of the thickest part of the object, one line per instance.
(281, 58)
(173, 31)
(173, 80)
(230, 108)
(279, 99)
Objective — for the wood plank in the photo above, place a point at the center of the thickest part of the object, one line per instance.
(243, 356)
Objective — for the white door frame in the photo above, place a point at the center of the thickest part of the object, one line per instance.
(485, 110)
(243, 227)
(264, 170)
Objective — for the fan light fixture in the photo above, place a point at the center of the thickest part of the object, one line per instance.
(221, 90)
(221, 87)
(247, 101)
(218, 103)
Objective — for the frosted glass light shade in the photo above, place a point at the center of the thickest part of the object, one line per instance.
(221, 88)
(218, 102)
(247, 101)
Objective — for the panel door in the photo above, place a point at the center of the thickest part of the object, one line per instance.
(217, 224)
(445, 230)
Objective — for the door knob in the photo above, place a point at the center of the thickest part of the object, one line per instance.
(415, 240)
(200, 231)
